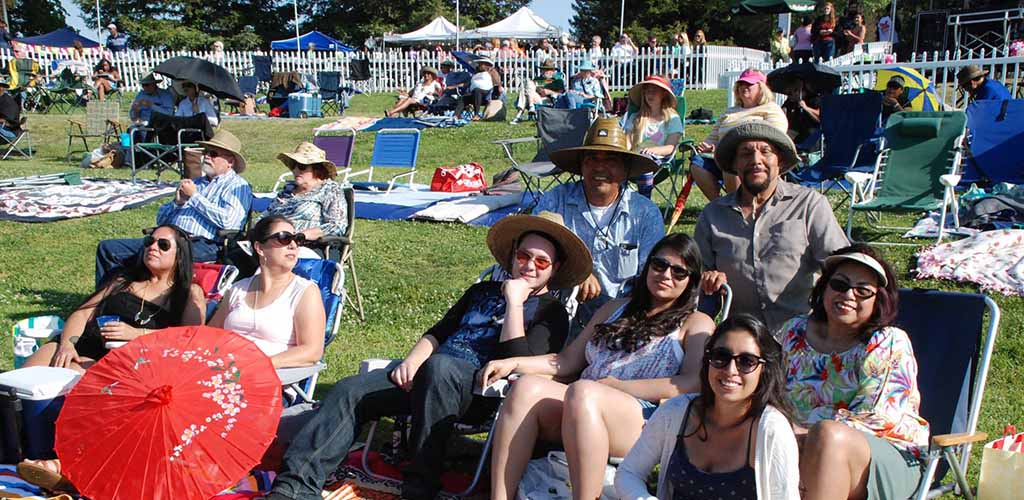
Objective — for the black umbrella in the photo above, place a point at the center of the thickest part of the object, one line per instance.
(818, 78)
(207, 75)
(467, 60)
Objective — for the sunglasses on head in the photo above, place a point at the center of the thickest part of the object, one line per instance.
(163, 244)
(659, 265)
(720, 357)
(540, 263)
(285, 238)
(841, 286)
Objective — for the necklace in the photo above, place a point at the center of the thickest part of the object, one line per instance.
(605, 232)
(139, 319)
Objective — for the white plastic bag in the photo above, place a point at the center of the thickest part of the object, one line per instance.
(1002, 469)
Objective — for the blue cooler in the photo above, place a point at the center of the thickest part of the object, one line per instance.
(41, 391)
(304, 105)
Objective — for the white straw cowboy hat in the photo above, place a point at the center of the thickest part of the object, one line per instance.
(308, 154)
(604, 135)
(576, 264)
(227, 141)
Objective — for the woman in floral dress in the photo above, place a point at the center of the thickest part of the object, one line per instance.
(852, 379)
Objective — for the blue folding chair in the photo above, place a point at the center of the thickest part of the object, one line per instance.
(262, 68)
(392, 148)
(996, 130)
(850, 128)
(953, 346)
(300, 382)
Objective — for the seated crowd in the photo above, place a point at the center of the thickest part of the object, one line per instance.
(807, 390)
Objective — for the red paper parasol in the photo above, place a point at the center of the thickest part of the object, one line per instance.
(181, 413)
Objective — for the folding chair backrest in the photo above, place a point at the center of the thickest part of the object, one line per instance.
(946, 330)
(847, 121)
(247, 84)
(359, 70)
(329, 82)
(262, 67)
(214, 279)
(330, 280)
(921, 146)
(338, 144)
(559, 129)
(396, 148)
(97, 113)
(997, 129)
(22, 71)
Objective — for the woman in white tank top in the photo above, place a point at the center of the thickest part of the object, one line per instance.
(634, 353)
(280, 312)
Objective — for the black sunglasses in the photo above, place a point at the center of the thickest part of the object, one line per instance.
(720, 357)
(285, 238)
(161, 243)
(841, 286)
(212, 153)
(659, 265)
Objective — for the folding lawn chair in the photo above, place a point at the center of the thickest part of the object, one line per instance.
(248, 85)
(161, 145)
(329, 277)
(392, 148)
(214, 279)
(64, 92)
(13, 146)
(331, 93)
(102, 120)
(262, 68)
(953, 346)
(23, 83)
(849, 125)
(338, 145)
(556, 129)
(917, 170)
(996, 131)
(359, 71)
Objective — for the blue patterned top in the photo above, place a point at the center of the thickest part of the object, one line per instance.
(323, 207)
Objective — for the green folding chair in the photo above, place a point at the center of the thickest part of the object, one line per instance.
(916, 171)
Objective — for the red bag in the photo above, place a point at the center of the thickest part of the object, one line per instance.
(467, 177)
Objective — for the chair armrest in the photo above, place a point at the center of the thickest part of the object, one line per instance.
(372, 365)
(329, 241)
(295, 374)
(858, 178)
(687, 141)
(950, 180)
(518, 140)
(228, 234)
(947, 440)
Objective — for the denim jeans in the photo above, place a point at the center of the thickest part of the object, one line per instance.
(823, 50)
(112, 254)
(8, 134)
(442, 392)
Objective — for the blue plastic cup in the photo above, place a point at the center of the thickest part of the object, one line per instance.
(106, 318)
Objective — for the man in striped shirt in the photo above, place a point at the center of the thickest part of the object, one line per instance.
(218, 200)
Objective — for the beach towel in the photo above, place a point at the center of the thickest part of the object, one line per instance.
(348, 122)
(994, 260)
(467, 209)
(93, 196)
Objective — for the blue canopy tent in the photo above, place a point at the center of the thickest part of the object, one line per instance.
(63, 37)
(319, 40)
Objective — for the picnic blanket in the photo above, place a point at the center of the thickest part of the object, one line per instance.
(93, 196)
(350, 481)
(466, 210)
(416, 123)
(347, 122)
(404, 203)
(992, 259)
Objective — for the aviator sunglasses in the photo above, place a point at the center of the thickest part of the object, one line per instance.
(163, 244)
(720, 357)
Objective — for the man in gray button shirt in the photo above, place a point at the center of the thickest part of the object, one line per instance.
(768, 239)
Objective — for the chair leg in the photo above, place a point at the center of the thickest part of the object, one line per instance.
(484, 455)
(926, 478)
(958, 473)
(355, 285)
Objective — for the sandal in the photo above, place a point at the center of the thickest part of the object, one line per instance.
(45, 474)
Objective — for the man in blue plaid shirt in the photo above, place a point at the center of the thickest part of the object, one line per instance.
(218, 200)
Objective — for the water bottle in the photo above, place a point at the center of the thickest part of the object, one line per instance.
(126, 140)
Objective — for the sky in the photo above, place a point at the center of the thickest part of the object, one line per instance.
(556, 12)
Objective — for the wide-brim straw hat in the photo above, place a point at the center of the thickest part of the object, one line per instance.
(576, 263)
(429, 69)
(308, 154)
(604, 135)
(483, 60)
(227, 141)
(548, 64)
(636, 94)
(587, 65)
(968, 73)
(725, 151)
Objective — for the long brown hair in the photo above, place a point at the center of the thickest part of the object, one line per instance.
(645, 113)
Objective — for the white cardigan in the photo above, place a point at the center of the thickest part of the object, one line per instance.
(776, 469)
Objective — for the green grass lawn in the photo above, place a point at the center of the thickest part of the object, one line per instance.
(410, 272)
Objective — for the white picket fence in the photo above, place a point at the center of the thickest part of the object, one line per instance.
(394, 69)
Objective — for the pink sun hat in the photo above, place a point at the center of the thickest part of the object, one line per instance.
(752, 76)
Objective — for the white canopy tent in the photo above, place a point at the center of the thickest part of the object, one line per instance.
(438, 30)
(524, 24)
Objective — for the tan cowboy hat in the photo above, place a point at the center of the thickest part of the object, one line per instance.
(636, 94)
(605, 134)
(548, 64)
(227, 141)
(576, 262)
(308, 154)
(968, 73)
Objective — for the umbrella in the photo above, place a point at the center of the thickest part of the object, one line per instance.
(181, 413)
(820, 79)
(467, 60)
(920, 91)
(681, 202)
(742, 7)
(209, 76)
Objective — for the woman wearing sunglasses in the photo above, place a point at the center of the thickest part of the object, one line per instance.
(852, 379)
(283, 314)
(634, 353)
(697, 438)
(155, 292)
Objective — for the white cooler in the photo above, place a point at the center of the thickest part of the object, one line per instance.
(39, 392)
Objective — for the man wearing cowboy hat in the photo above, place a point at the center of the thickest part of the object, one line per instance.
(152, 98)
(10, 112)
(436, 380)
(550, 85)
(619, 226)
(219, 200)
(979, 86)
(767, 239)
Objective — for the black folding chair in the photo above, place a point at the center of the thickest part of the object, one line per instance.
(330, 91)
